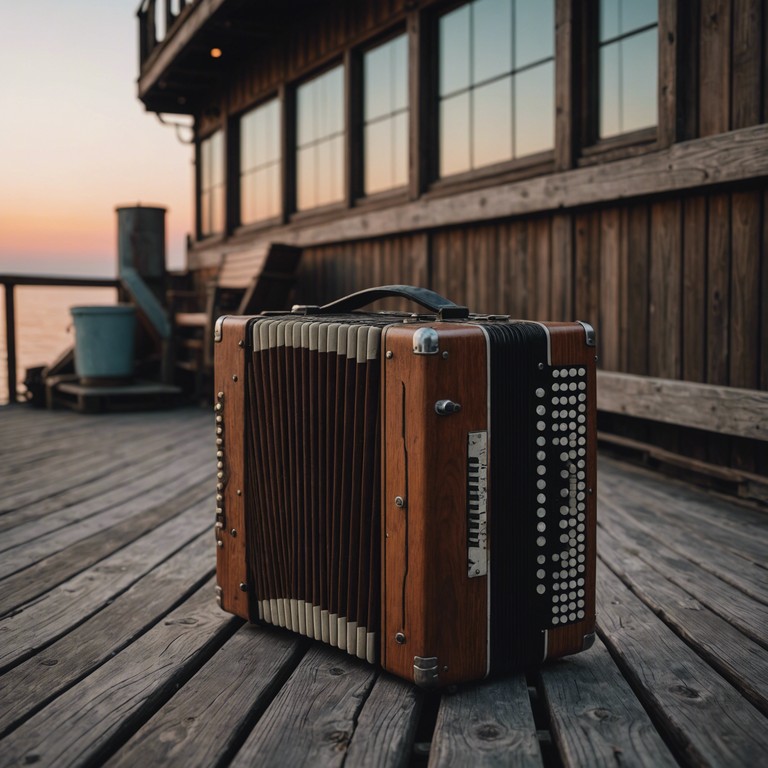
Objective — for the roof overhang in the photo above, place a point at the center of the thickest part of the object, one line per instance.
(178, 74)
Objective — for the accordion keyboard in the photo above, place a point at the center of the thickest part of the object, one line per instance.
(477, 504)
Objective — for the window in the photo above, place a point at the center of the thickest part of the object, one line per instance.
(628, 65)
(320, 140)
(212, 185)
(385, 116)
(496, 84)
(260, 188)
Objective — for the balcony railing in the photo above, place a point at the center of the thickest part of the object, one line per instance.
(156, 20)
(9, 283)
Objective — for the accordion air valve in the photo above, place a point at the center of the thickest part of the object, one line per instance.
(418, 490)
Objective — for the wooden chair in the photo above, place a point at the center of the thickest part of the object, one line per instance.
(248, 282)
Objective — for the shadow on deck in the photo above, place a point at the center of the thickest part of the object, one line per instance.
(113, 650)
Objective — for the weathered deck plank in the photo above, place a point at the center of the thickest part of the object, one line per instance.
(743, 662)
(89, 719)
(113, 650)
(116, 485)
(64, 607)
(38, 680)
(493, 723)
(595, 718)
(211, 715)
(706, 720)
(312, 719)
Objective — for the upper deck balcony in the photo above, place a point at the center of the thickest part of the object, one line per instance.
(186, 45)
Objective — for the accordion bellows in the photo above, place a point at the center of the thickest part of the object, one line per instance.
(419, 492)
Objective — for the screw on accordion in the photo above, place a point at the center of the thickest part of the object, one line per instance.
(416, 490)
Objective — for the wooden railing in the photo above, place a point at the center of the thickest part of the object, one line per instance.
(9, 282)
(150, 11)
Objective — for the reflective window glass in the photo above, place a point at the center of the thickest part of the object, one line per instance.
(385, 116)
(628, 68)
(211, 202)
(320, 140)
(496, 81)
(260, 160)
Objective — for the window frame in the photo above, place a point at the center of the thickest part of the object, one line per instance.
(291, 169)
(534, 164)
(593, 149)
(357, 111)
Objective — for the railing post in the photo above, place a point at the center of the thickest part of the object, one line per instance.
(10, 340)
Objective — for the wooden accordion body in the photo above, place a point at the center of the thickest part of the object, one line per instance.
(417, 492)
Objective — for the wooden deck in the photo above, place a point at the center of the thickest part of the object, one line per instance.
(114, 652)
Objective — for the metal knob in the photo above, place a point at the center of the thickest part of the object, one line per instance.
(446, 407)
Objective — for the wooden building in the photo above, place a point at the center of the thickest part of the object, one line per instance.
(601, 160)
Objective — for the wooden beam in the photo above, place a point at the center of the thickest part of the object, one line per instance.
(726, 158)
(726, 410)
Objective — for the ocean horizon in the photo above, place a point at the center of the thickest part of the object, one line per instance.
(44, 326)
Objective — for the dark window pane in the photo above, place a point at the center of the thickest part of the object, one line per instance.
(306, 192)
(378, 86)
(211, 203)
(454, 51)
(399, 54)
(400, 149)
(534, 31)
(638, 82)
(491, 39)
(378, 156)
(535, 110)
(320, 131)
(638, 13)
(454, 135)
(385, 108)
(492, 123)
(610, 25)
(610, 111)
(511, 50)
(259, 150)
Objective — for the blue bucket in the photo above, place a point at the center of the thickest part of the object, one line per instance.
(104, 342)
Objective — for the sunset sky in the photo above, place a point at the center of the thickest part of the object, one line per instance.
(75, 140)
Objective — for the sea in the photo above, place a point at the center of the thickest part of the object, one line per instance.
(43, 325)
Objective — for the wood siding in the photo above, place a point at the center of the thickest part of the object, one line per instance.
(661, 245)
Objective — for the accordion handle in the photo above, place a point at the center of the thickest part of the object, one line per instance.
(434, 302)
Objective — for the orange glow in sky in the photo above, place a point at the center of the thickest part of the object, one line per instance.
(75, 142)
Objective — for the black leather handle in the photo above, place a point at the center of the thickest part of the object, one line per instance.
(432, 301)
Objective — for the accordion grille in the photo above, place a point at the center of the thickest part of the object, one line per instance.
(312, 491)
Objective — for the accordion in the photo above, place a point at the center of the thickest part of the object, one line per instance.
(415, 489)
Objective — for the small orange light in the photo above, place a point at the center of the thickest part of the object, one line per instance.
(216, 53)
